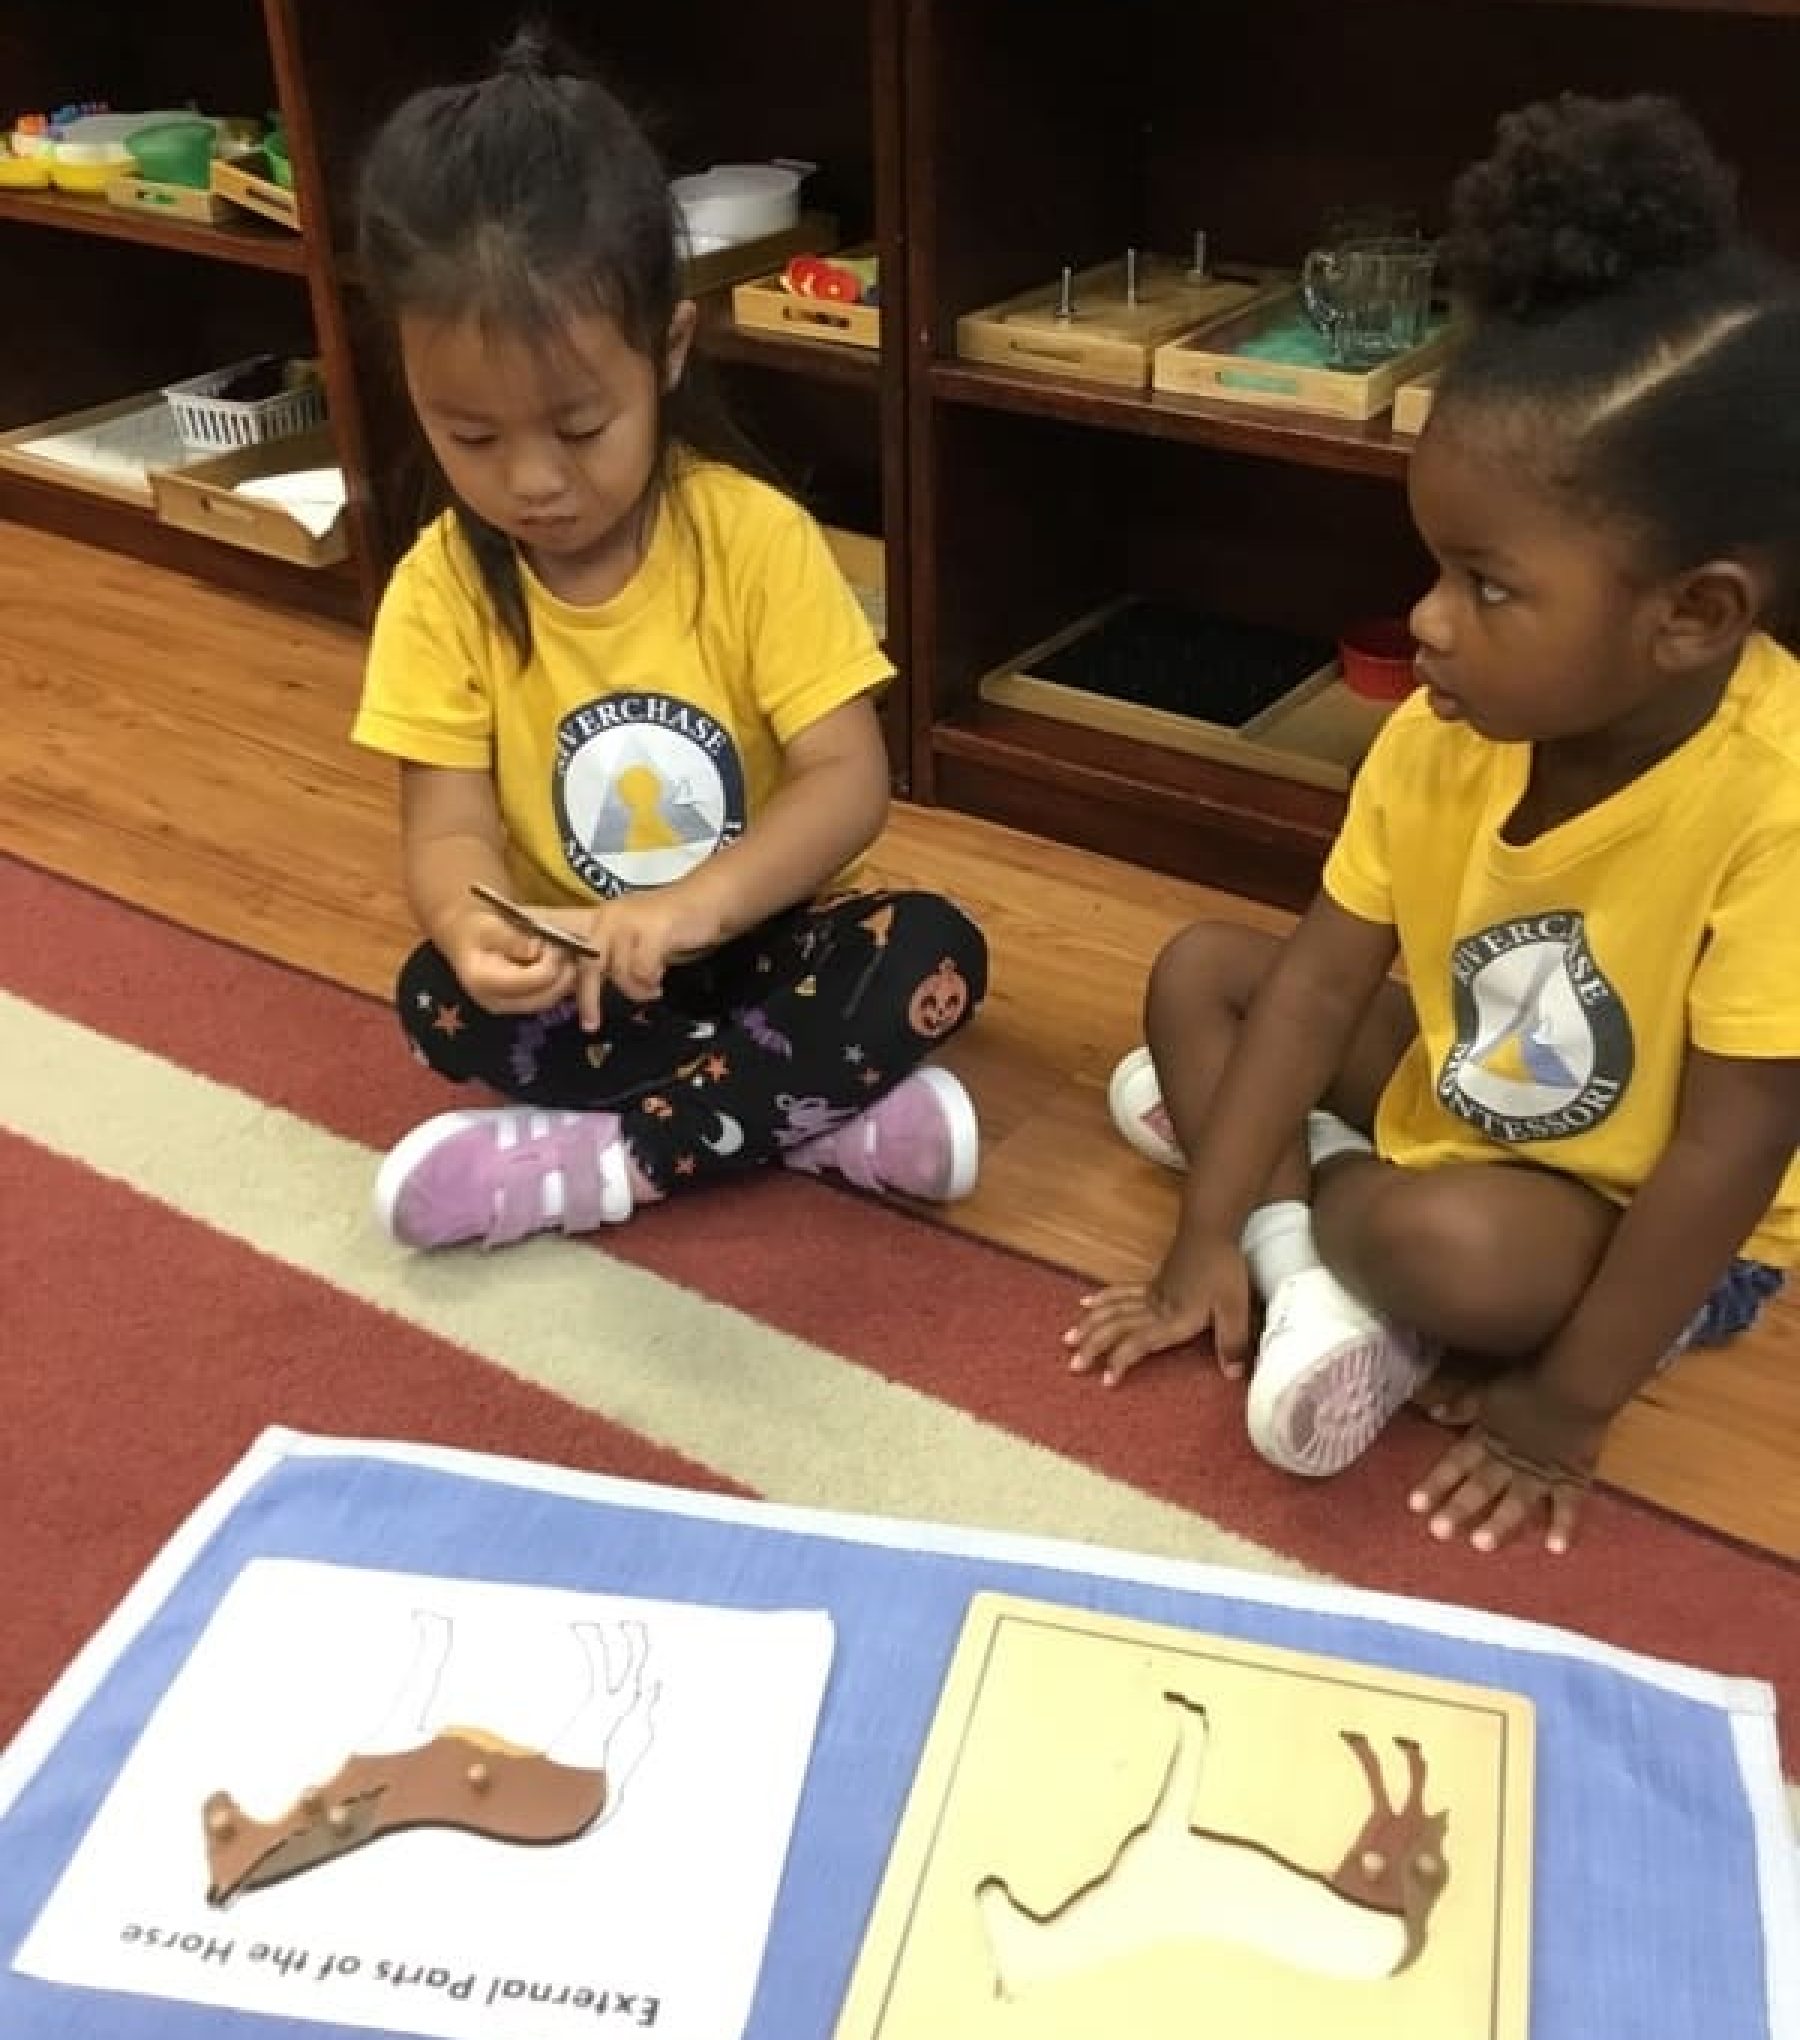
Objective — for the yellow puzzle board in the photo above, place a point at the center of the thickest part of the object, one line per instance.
(1144, 1804)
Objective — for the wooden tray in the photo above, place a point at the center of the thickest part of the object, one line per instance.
(1317, 733)
(863, 562)
(811, 234)
(172, 201)
(203, 498)
(244, 181)
(1206, 363)
(1412, 402)
(130, 437)
(765, 306)
(1124, 1827)
(1106, 340)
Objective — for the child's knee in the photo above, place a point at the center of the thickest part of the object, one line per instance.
(425, 989)
(1412, 1229)
(1210, 963)
(948, 956)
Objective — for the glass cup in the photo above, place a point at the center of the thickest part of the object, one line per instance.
(1370, 299)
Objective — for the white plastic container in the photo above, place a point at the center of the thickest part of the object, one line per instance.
(735, 202)
(108, 131)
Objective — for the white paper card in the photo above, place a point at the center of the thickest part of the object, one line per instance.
(313, 497)
(654, 1918)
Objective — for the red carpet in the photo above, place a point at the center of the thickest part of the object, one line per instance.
(145, 1349)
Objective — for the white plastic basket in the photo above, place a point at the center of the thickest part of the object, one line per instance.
(215, 424)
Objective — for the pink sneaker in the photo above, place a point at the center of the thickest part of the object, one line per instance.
(1134, 1098)
(498, 1175)
(922, 1140)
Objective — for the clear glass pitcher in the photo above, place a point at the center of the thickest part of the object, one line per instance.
(1370, 299)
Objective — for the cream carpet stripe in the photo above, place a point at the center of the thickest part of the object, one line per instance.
(781, 1416)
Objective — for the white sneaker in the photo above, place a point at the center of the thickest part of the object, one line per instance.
(1329, 1375)
(1134, 1098)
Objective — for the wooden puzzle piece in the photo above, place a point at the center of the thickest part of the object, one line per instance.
(458, 1777)
(529, 923)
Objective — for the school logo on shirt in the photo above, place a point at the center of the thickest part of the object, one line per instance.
(647, 786)
(1543, 1047)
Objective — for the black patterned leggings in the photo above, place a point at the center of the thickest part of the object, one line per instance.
(779, 1036)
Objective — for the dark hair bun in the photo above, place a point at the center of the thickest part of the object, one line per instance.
(528, 51)
(1580, 198)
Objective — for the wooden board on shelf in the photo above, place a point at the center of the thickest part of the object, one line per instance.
(1317, 733)
(763, 305)
(1209, 363)
(234, 238)
(1127, 1827)
(1109, 335)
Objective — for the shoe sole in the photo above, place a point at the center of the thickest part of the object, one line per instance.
(1127, 1117)
(402, 1159)
(1328, 1416)
(965, 1131)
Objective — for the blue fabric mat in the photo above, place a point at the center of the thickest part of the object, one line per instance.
(1648, 1898)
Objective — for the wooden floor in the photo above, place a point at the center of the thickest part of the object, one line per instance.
(186, 750)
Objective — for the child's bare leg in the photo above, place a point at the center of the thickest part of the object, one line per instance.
(1488, 1259)
(1200, 990)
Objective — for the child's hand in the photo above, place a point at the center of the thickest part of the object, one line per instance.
(638, 937)
(1197, 1289)
(503, 969)
(1527, 1452)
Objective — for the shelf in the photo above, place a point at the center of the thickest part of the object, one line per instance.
(1358, 448)
(1220, 824)
(247, 244)
(122, 524)
(722, 339)
(1787, 10)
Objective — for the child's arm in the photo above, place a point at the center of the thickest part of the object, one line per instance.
(1540, 1431)
(1292, 1044)
(830, 805)
(451, 838)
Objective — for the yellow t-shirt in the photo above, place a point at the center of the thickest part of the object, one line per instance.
(647, 731)
(1559, 983)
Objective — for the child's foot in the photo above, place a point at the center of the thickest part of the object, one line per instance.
(1134, 1098)
(1329, 1374)
(921, 1140)
(497, 1176)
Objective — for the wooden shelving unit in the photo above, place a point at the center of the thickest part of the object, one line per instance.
(1037, 501)
(724, 341)
(1361, 448)
(980, 145)
(122, 302)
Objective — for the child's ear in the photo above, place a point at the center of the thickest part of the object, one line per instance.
(1711, 610)
(681, 338)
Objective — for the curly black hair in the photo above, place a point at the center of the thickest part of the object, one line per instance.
(1630, 334)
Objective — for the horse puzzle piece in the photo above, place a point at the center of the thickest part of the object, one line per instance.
(457, 1777)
